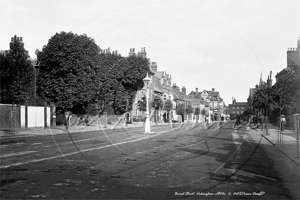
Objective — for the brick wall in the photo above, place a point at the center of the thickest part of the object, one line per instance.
(9, 116)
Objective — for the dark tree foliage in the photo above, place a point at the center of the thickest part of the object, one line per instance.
(120, 79)
(203, 112)
(197, 111)
(286, 91)
(142, 104)
(66, 70)
(157, 103)
(168, 106)
(73, 73)
(17, 75)
(282, 98)
(180, 110)
(189, 109)
(261, 100)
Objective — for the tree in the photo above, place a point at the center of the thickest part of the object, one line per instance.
(286, 90)
(180, 110)
(66, 70)
(168, 106)
(142, 104)
(203, 112)
(157, 104)
(17, 75)
(121, 78)
(197, 112)
(189, 110)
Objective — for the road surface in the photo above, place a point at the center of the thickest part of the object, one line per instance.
(190, 161)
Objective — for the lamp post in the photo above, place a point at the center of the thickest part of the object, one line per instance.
(147, 122)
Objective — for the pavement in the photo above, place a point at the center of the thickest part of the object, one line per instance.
(285, 141)
(4, 133)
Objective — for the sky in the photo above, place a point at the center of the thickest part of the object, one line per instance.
(204, 44)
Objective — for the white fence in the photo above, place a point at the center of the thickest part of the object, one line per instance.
(26, 116)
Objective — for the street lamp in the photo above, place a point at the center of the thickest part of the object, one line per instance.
(147, 122)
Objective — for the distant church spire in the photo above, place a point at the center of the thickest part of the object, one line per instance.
(260, 81)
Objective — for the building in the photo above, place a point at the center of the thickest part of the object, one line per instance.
(236, 108)
(293, 55)
(213, 99)
(160, 85)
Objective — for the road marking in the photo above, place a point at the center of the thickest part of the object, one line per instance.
(37, 143)
(81, 151)
(16, 154)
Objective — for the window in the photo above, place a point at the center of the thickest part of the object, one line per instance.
(237, 107)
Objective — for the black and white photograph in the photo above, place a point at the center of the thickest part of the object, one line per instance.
(149, 99)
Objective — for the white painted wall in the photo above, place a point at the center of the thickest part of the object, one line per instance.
(36, 116)
(48, 117)
(22, 116)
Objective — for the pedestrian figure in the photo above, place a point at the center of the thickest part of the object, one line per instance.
(282, 122)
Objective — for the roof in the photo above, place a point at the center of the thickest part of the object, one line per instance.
(238, 104)
(213, 93)
(155, 84)
(159, 74)
(179, 95)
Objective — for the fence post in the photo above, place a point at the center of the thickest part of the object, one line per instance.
(26, 116)
(105, 119)
(52, 115)
(45, 114)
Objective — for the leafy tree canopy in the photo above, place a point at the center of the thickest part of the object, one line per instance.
(197, 111)
(17, 75)
(157, 103)
(168, 106)
(180, 110)
(203, 112)
(142, 104)
(66, 69)
(189, 109)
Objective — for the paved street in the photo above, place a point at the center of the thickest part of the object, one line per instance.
(176, 162)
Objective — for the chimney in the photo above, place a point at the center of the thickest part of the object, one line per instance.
(213, 89)
(183, 89)
(153, 67)
(131, 52)
(196, 90)
(21, 39)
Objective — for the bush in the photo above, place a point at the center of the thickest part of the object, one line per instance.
(60, 119)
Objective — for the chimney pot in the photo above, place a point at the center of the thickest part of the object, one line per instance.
(213, 89)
